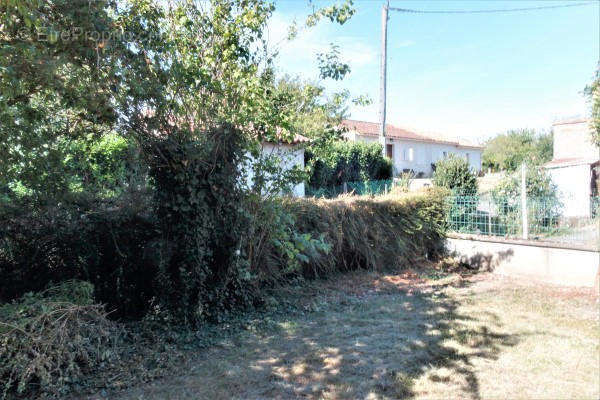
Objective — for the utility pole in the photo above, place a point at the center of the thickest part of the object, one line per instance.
(382, 83)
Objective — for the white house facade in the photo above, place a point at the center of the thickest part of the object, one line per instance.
(573, 165)
(413, 151)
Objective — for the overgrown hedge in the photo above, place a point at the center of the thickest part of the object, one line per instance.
(120, 250)
(114, 247)
(374, 233)
(343, 162)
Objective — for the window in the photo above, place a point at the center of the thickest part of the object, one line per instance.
(468, 158)
(445, 153)
(389, 150)
(411, 154)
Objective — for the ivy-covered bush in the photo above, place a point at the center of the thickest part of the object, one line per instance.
(201, 212)
(341, 162)
(454, 173)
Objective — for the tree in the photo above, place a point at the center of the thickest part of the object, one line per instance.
(56, 86)
(190, 82)
(454, 173)
(78, 70)
(592, 91)
(509, 150)
(543, 202)
(538, 184)
(311, 111)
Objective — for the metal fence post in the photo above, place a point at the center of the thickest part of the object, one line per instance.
(489, 218)
(345, 187)
(524, 201)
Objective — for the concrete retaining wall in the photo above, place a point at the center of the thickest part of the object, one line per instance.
(556, 264)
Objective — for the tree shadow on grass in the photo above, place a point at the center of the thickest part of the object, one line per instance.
(373, 346)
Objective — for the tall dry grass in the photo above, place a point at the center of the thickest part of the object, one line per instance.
(375, 233)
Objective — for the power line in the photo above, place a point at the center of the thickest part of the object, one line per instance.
(408, 10)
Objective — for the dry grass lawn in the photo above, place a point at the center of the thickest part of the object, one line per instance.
(373, 336)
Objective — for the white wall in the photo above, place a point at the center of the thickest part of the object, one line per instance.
(423, 153)
(526, 259)
(289, 157)
(574, 184)
(574, 140)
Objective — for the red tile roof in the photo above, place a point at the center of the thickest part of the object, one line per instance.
(299, 139)
(394, 132)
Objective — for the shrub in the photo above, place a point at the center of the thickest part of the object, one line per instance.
(341, 162)
(126, 254)
(201, 212)
(538, 184)
(103, 165)
(114, 246)
(276, 248)
(455, 174)
(50, 340)
(543, 202)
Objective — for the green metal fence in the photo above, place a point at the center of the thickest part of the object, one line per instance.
(358, 188)
(495, 216)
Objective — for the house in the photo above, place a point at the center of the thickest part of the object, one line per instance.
(411, 150)
(288, 154)
(574, 165)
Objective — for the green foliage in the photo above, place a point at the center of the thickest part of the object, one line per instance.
(103, 166)
(592, 91)
(454, 173)
(200, 208)
(336, 162)
(543, 199)
(330, 65)
(538, 183)
(52, 90)
(276, 249)
(272, 175)
(313, 113)
(509, 150)
(339, 13)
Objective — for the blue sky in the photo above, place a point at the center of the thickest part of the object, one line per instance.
(468, 76)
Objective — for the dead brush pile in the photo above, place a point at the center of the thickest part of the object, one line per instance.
(50, 340)
(58, 341)
(374, 233)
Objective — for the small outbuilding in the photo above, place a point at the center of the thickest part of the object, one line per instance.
(574, 165)
(289, 154)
